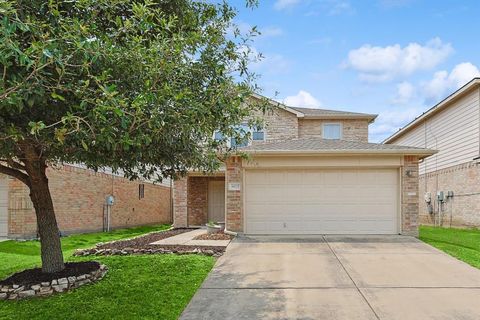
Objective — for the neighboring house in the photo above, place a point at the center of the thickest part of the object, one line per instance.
(79, 197)
(452, 128)
(309, 171)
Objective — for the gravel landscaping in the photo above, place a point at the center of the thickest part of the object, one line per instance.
(143, 245)
(142, 241)
(214, 236)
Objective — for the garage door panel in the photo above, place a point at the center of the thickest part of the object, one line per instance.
(321, 201)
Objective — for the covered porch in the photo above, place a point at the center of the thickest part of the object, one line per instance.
(198, 199)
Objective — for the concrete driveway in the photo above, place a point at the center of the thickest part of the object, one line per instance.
(333, 277)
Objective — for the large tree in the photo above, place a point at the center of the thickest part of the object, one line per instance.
(137, 86)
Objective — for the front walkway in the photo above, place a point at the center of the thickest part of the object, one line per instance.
(187, 239)
(389, 277)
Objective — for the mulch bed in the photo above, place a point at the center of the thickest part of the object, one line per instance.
(142, 241)
(142, 245)
(214, 236)
(34, 276)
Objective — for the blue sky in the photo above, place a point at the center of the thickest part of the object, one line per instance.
(395, 58)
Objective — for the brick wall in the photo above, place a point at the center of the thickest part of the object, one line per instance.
(280, 125)
(353, 130)
(197, 200)
(233, 200)
(79, 196)
(463, 210)
(410, 196)
(180, 203)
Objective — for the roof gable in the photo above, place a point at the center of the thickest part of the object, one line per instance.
(314, 113)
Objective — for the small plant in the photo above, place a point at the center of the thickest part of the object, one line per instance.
(211, 224)
(213, 227)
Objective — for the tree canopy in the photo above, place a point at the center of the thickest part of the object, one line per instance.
(138, 86)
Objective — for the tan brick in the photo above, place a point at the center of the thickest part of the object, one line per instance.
(79, 196)
(463, 210)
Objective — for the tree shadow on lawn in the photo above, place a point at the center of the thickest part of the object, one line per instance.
(146, 287)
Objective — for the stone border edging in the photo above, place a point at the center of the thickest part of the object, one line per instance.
(43, 289)
(130, 251)
(132, 238)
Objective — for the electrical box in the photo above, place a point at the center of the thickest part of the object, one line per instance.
(428, 197)
(110, 200)
(440, 196)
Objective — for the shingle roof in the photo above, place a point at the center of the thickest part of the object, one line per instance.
(311, 112)
(317, 145)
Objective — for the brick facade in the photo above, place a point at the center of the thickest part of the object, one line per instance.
(180, 203)
(409, 187)
(233, 201)
(191, 196)
(197, 200)
(79, 197)
(352, 130)
(463, 210)
(279, 125)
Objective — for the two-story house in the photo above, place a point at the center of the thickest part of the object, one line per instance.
(449, 180)
(309, 171)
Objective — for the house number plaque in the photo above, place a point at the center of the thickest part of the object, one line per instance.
(234, 186)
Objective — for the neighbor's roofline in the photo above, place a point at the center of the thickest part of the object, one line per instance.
(433, 110)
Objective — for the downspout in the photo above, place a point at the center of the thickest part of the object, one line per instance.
(171, 200)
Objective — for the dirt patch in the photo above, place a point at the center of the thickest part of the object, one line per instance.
(142, 241)
(214, 236)
(34, 276)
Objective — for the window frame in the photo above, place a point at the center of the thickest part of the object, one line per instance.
(250, 130)
(339, 124)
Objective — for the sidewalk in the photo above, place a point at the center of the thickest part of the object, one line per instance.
(186, 239)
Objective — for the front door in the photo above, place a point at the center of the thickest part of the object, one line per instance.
(216, 200)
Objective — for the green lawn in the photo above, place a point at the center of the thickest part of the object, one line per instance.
(463, 244)
(145, 287)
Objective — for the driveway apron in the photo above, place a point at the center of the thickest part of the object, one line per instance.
(336, 277)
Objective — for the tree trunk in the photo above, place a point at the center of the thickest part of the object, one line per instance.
(51, 250)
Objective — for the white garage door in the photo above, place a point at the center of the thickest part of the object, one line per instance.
(340, 201)
(3, 207)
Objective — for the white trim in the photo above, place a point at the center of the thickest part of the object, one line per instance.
(279, 105)
(424, 152)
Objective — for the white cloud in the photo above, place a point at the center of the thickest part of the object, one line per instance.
(271, 32)
(340, 7)
(389, 121)
(271, 63)
(380, 64)
(388, 4)
(285, 4)
(444, 83)
(302, 99)
(405, 93)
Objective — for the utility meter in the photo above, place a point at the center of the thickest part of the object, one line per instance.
(428, 197)
(110, 200)
(440, 196)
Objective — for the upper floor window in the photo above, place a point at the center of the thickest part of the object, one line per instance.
(253, 133)
(258, 134)
(332, 131)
